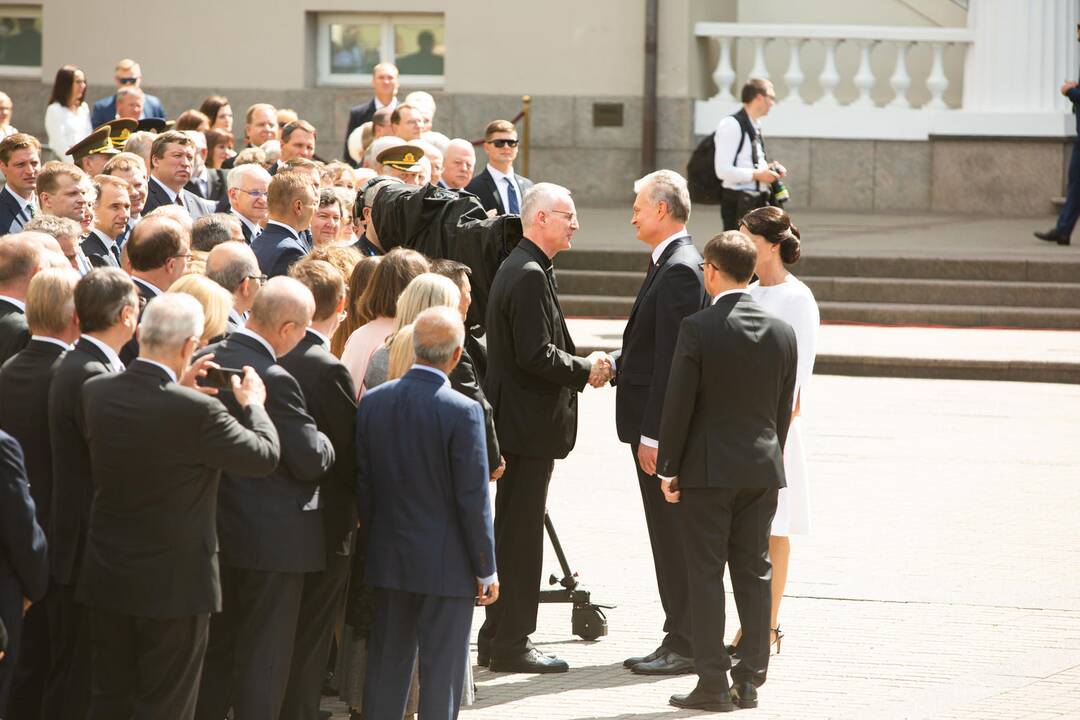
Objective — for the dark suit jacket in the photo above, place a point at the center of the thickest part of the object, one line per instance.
(105, 109)
(358, 115)
(73, 489)
(261, 518)
(156, 197)
(729, 398)
(14, 332)
(466, 381)
(12, 218)
(422, 487)
(216, 186)
(533, 376)
(674, 290)
(24, 413)
(331, 400)
(157, 452)
(96, 252)
(483, 187)
(277, 249)
(130, 351)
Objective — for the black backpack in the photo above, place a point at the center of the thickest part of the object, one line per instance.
(705, 188)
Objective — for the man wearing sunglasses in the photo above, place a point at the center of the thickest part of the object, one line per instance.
(128, 74)
(500, 190)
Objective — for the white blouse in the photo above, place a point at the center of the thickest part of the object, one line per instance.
(793, 302)
(65, 128)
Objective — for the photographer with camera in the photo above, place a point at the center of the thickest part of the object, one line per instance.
(750, 179)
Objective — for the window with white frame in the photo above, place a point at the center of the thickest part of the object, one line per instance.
(351, 45)
(20, 41)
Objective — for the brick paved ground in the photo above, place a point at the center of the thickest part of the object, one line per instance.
(942, 579)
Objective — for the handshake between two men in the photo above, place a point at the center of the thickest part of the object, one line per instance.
(603, 368)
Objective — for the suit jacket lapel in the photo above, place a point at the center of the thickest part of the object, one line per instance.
(647, 283)
(493, 188)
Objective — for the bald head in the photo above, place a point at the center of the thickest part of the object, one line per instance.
(230, 263)
(438, 336)
(281, 313)
(21, 257)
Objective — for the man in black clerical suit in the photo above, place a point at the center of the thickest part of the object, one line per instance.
(532, 382)
(24, 567)
(150, 572)
(270, 524)
(107, 305)
(673, 289)
(331, 400)
(384, 82)
(172, 159)
(20, 259)
(722, 435)
(498, 187)
(24, 413)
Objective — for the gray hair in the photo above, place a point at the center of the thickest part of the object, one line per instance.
(211, 230)
(197, 138)
(668, 187)
(126, 90)
(170, 320)
(542, 196)
(437, 333)
(248, 171)
(229, 265)
(54, 225)
(139, 143)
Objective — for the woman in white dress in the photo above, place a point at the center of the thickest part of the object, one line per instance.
(67, 118)
(784, 295)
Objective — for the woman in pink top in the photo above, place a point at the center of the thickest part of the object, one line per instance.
(397, 268)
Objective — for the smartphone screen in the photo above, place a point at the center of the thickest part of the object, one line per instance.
(221, 378)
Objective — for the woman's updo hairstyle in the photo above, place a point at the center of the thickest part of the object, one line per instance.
(775, 226)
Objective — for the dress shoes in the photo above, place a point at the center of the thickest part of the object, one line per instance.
(529, 661)
(744, 694)
(483, 656)
(631, 662)
(698, 699)
(1053, 235)
(670, 663)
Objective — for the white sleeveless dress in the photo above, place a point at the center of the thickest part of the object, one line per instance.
(793, 302)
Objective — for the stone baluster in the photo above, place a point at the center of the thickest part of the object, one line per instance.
(759, 70)
(794, 76)
(900, 80)
(937, 83)
(724, 75)
(830, 78)
(864, 78)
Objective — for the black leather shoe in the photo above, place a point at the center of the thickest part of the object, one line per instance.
(670, 663)
(483, 657)
(698, 699)
(631, 662)
(744, 694)
(530, 661)
(1053, 235)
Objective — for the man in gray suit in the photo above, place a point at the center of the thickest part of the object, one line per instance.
(172, 161)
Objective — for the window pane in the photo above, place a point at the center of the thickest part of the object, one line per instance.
(419, 49)
(354, 48)
(20, 41)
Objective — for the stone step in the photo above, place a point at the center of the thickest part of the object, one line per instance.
(596, 306)
(950, 315)
(600, 282)
(945, 292)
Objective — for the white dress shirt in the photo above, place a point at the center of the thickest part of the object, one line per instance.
(154, 289)
(17, 303)
(737, 173)
(500, 184)
(105, 239)
(168, 191)
(114, 359)
(54, 341)
(167, 369)
(25, 206)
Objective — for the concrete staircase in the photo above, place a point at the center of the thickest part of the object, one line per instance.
(1006, 292)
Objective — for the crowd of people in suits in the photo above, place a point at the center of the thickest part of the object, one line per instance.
(248, 443)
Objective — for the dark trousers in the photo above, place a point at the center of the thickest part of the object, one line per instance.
(320, 604)
(669, 559)
(1071, 209)
(11, 601)
(251, 645)
(146, 668)
(67, 691)
(728, 526)
(406, 622)
(32, 667)
(520, 502)
(736, 203)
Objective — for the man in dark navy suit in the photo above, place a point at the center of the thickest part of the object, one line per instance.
(172, 158)
(108, 308)
(384, 81)
(270, 524)
(673, 289)
(24, 413)
(112, 209)
(21, 258)
(292, 202)
(24, 565)
(128, 73)
(233, 266)
(422, 483)
(498, 187)
(260, 125)
(247, 198)
(20, 161)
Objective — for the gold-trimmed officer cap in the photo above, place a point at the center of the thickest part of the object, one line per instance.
(119, 130)
(405, 158)
(96, 143)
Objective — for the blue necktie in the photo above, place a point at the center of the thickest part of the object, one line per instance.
(512, 198)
